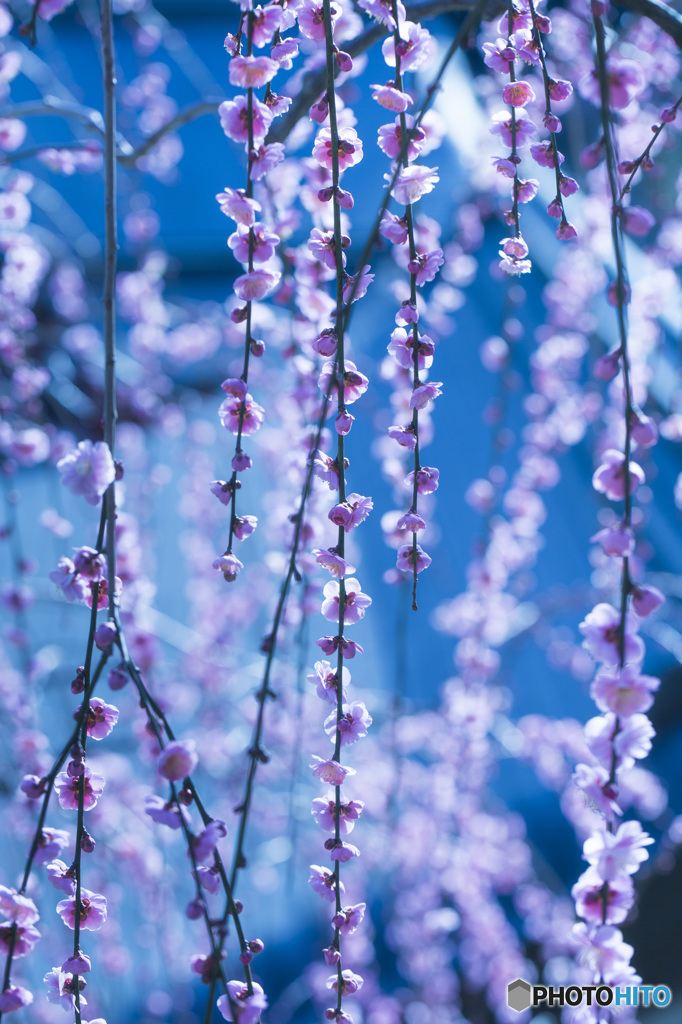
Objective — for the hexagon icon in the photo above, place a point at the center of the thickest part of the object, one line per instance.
(518, 995)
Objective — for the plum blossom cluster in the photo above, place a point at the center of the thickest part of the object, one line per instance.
(408, 48)
(524, 29)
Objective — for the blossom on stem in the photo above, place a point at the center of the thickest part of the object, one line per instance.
(609, 478)
(355, 601)
(353, 724)
(93, 911)
(330, 771)
(177, 760)
(67, 789)
(88, 470)
(323, 883)
(601, 629)
(247, 1008)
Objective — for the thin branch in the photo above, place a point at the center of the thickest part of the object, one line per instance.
(186, 116)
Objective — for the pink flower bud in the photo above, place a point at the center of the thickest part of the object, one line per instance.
(177, 760)
(646, 599)
(607, 365)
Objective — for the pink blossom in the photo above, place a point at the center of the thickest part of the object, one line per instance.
(502, 126)
(67, 789)
(401, 348)
(624, 691)
(607, 365)
(625, 79)
(20, 909)
(325, 679)
(234, 119)
(255, 284)
(58, 874)
(322, 245)
(229, 565)
(93, 911)
(646, 599)
(236, 204)
(644, 429)
(619, 853)
(102, 718)
(244, 526)
(324, 812)
(350, 918)
(285, 51)
(543, 154)
(592, 895)
(264, 243)
(350, 982)
(393, 228)
(177, 760)
(311, 18)
(266, 21)
(595, 782)
(390, 98)
(349, 148)
(518, 94)
(601, 629)
(330, 771)
(427, 479)
(247, 1008)
(330, 560)
(222, 490)
(412, 522)
(12, 133)
(72, 586)
(323, 883)
(566, 232)
(568, 186)
(330, 644)
(617, 541)
(425, 393)
(208, 878)
(426, 265)
(405, 436)
(14, 997)
(609, 478)
(413, 182)
(382, 10)
(235, 410)
(252, 72)
(204, 844)
(354, 383)
(26, 938)
(88, 470)
(50, 844)
(166, 812)
(391, 139)
(264, 159)
(527, 189)
(559, 89)
(499, 56)
(416, 47)
(359, 290)
(409, 560)
(77, 964)
(355, 602)
(353, 724)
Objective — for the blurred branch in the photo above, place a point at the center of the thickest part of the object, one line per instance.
(184, 117)
(658, 12)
